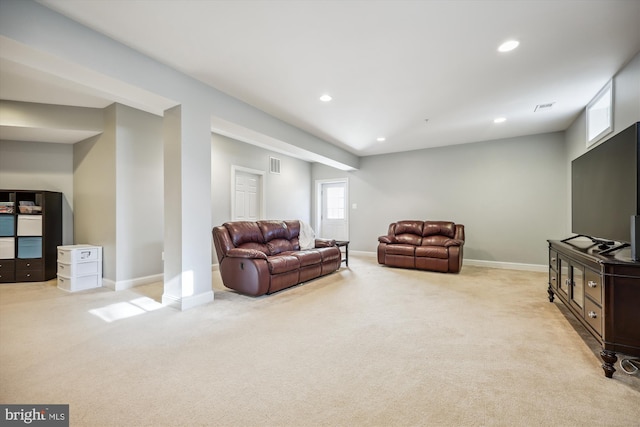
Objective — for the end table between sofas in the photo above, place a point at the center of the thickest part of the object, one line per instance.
(345, 244)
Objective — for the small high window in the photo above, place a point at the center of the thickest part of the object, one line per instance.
(600, 115)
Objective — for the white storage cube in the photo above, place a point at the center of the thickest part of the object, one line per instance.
(72, 254)
(29, 225)
(81, 283)
(79, 268)
(7, 248)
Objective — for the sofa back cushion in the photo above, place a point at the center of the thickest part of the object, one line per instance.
(408, 232)
(442, 228)
(276, 236)
(244, 232)
(294, 227)
(246, 235)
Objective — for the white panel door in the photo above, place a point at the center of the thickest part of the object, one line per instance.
(247, 196)
(334, 218)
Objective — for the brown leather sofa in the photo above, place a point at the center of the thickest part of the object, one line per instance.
(264, 257)
(423, 245)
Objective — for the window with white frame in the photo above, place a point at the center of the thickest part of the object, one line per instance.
(600, 114)
(335, 203)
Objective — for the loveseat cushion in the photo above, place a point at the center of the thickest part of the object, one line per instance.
(408, 232)
(437, 240)
(400, 249)
(432, 252)
(445, 228)
(410, 227)
(407, 239)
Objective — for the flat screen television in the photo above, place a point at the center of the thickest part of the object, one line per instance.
(604, 188)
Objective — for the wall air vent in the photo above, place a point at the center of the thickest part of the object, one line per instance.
(543, 107)
(274, 165)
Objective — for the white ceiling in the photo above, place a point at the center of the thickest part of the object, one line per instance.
(389, 64)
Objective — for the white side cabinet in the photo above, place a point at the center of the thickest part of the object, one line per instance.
(79, 267)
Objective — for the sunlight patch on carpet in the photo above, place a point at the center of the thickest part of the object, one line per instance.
(124, 310)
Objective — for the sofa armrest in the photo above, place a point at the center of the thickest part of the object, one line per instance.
(325, 243)
(246, 253)
(453, 242)
(385, 239)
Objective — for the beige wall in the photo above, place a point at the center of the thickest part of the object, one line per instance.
(288, 194)
(139, 194)
(508, 193)
(626, 111)
(28, 165)
(94, 188)
(118, 188)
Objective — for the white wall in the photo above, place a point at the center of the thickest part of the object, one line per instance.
(288, 194)
(38, 35)
(40, 166)
(94, 187)
(508, 193)
(420, 178)
(139, 194)
(44, 165)
(113, 191)
(626, 111)
(118, 187)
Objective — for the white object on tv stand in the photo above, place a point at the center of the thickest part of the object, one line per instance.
(79, 267)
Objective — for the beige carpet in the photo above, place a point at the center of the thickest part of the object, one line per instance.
(366, 346)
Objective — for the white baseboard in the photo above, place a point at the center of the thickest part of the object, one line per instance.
(131, 283)
(364, 253)
(139, 281)
(482, 263)
(506, 265)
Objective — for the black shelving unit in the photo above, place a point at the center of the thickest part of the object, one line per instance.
(30, 233)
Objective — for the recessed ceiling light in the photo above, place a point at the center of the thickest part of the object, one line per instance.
(499, 120)
(381, 139)
(508, 46)
(326, 98)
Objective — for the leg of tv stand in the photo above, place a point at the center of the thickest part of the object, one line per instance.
(609, 358)
(551, 294)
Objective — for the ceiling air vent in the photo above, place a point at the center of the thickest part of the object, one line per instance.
(274, 165)
(543, 107)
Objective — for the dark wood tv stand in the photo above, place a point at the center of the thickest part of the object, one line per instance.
(601, 291)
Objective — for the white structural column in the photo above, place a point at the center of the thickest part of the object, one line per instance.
(187, 207)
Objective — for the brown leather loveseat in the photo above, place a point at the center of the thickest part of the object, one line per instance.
(423, 245)
(264, 257)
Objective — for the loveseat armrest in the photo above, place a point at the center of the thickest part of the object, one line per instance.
(453, 242)
(246, 253)
(325, 243)
(385, 239)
